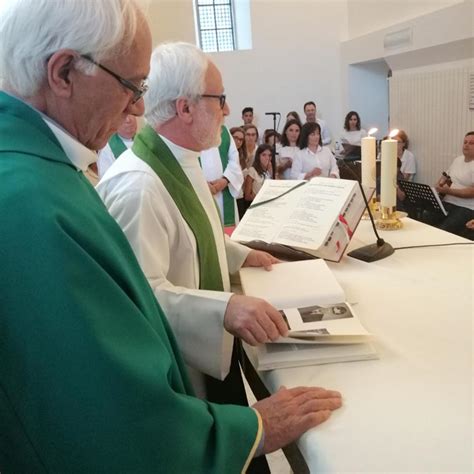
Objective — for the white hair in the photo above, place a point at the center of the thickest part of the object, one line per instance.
(31, 31)
(177, 70)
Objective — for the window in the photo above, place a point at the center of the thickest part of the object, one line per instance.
(215, 24)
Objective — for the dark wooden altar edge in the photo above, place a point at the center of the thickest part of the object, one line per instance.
(292, 452)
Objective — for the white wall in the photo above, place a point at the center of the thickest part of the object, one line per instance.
(432, 105)
(451, 25)
(295, 56)
(366, 16)
(368, 94)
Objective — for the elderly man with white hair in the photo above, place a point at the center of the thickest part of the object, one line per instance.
(91, 379)
(171, 221)
(159, 196)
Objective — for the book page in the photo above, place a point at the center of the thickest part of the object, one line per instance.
(323, 321)
(438, 200)
(276, 356)
(263, 222)
(293, 284)
(315, 213)
(303, 218)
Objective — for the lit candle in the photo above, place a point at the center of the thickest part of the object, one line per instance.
(388, 185)
(368, 160)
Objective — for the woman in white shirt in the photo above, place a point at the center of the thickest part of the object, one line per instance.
(406, 157)
(313, 159)
(352, 133)
(251, 140)
(258, 172)
(289, 142)
(238, 135)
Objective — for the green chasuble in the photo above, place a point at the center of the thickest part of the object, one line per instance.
(228, 199)
(91, 380)
(117, 145)
(150, 148)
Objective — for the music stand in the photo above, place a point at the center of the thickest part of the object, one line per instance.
(423, 196)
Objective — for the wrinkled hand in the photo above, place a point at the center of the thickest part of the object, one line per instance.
(254, 320)
(289, 413)
(470, 224)
(257, 258)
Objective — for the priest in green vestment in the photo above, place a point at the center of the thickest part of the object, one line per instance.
(119, 142)
(91, 378)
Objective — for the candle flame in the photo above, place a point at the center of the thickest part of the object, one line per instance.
(372, 131)
(393, 133)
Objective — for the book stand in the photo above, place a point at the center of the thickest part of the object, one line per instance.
(422, 196)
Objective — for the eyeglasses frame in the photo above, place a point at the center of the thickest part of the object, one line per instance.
(221, 97)
(138, 92)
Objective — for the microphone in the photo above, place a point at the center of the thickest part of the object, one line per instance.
(372, 252)
(272, 113)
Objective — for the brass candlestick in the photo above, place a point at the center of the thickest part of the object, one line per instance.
(388, 219)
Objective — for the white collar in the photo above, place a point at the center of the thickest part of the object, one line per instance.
(183, 155)
(80, 156)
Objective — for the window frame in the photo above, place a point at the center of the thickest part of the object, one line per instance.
(213, 4)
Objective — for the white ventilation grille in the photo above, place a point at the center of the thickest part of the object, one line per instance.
(435, 109)
(471, 91)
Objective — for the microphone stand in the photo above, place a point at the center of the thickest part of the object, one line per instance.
(372, 252)
(274, 114)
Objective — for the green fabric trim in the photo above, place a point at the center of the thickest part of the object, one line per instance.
(23, 121)
(228, 199)
(117, 145)
(150, 148)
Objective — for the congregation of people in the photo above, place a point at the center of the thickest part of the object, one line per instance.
(120, 337)
(303, 151)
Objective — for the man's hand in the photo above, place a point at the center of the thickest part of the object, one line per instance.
(253, 320)
(212, 188)
(219, 184)
(257, 258)
(442, 189)
(288, 414)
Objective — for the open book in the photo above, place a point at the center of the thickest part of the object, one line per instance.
(316, 217)
(323, 327)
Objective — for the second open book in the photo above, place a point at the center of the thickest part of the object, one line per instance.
(323, 327)
(315, 218)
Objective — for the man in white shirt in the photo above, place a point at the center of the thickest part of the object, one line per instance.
(459, 190)
(310, 111)
(119, 142)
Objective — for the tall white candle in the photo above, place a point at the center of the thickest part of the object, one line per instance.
(368, 162)
(388, 184)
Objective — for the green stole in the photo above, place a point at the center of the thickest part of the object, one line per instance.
(228, 200)
(117, 145)
(150, 148)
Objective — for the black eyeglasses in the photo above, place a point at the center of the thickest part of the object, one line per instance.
(138, 92)
(220, 97)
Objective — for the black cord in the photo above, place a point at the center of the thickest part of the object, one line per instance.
(252, 206)
(432, 245)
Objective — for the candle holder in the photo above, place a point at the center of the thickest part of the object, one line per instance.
(388, 219)
(374, 209)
